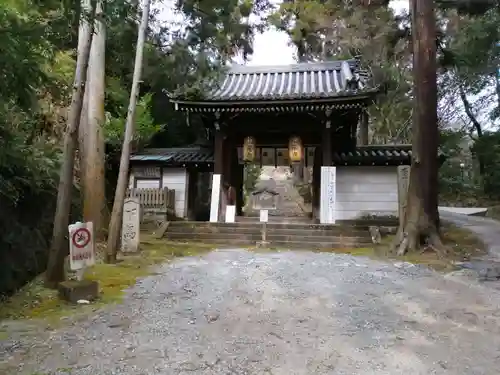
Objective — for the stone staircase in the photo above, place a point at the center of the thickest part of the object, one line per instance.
(279, 235)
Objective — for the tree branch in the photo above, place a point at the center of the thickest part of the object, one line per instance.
(468, 111)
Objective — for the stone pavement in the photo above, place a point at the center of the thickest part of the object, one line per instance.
(281, 313)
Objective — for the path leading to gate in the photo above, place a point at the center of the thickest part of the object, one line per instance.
(241, 312)
(488, 267)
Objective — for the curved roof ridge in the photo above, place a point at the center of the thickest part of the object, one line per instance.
(297, 67)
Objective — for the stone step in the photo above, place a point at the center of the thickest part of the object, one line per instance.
(255, 218)
(230, 242)
(284, 231)
(270, 237)
(272, 225)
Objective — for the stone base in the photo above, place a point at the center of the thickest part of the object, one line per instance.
(262, 244)
(73, 291)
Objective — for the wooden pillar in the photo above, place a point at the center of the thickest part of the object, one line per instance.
(227, 156)
(240, 198)
(218, 152)
(316, 180)
(363, 128)
(219, 160)
(326, 142)
(192, 193)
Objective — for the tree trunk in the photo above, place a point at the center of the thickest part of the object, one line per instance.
(86, 6)
(121, 186)
(94, 204)
(59, 245)
(421, 222)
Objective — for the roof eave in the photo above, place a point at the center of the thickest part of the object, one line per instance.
(361, 98)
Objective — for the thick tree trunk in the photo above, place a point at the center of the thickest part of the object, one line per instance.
(121, 186)
(59, 245)
(421, 221)
(94, 204)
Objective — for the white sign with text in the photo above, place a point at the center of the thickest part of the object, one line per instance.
(328, 195)
(215, 199)
(230, 214)
(81, 245)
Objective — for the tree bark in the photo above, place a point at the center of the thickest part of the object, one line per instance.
(475, 124)
(59, 245)
(94, 204)
(86, 6)
(121, 186)
(421, 222)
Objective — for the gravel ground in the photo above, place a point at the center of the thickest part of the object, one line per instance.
(241, 312)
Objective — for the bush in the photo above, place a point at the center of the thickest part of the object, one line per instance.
(28, 192)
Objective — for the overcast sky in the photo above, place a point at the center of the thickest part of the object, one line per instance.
(271, 47)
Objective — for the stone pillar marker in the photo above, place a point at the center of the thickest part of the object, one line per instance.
(131, 225)
(403, 183)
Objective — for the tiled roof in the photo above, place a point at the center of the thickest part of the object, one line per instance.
(363, 155)
(375, 155)
(175, 155)
(291, 82)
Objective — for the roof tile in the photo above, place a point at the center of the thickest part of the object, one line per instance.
(298, 81)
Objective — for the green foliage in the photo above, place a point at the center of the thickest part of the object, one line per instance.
(252, 174)
(38, 42)
(488, 147)
(145, 127)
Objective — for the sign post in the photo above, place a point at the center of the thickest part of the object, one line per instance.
(81, 256)
(81, 247)
(230, 214)
(215, 199)
(263, 218)
(328, 195)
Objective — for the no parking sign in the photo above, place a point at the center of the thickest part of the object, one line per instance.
(81, 245)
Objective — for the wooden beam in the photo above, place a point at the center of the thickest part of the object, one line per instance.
(326, 142)
(363, 129)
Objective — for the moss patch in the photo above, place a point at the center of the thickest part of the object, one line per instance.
(35, 301)
(462, 245)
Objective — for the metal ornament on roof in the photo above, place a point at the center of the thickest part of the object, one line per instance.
(249, 149)
(295, 149)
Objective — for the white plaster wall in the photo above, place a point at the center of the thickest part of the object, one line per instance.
(148, 184)
(366, 190)
(172, 178)
(177, 179)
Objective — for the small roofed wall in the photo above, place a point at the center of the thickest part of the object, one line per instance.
(172, 178)
(365, 191)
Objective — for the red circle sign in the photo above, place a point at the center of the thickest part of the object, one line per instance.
(81, 237)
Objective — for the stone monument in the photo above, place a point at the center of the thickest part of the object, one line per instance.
(131, 225)
(403, 183)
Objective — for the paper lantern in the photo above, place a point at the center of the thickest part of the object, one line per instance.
(295, 149)
(249, 149)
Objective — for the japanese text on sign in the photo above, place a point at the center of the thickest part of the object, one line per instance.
(81, 245)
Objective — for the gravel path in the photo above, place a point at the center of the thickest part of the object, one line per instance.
(241, 312)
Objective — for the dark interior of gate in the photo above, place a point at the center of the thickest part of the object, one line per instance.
(321, 103)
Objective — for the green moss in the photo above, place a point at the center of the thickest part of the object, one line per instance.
(35, 301)
(461, 244)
